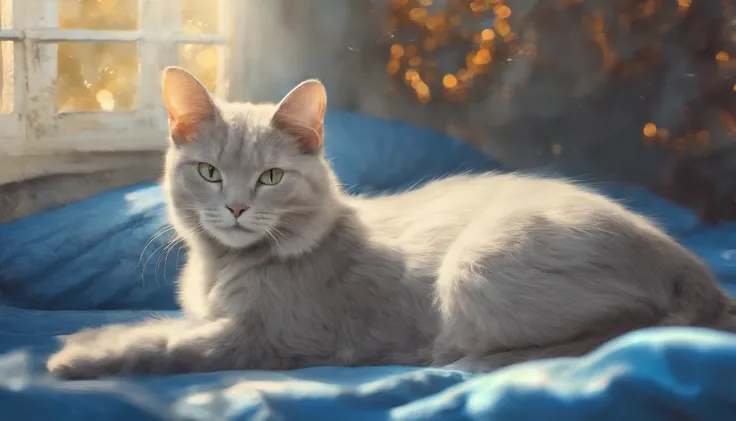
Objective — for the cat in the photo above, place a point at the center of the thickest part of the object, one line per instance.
(475, 272)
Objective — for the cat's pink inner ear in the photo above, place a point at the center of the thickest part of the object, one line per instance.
(187, 102)
(301, 114)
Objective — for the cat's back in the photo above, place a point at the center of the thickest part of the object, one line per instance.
(445, 207)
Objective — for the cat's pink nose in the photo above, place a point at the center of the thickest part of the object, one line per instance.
(237, 210)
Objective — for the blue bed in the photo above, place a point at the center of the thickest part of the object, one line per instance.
(91, 263)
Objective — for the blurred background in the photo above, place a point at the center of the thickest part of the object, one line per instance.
(636, 91)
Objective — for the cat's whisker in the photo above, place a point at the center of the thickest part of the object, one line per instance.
(285, 225)
(166, 249)
(272, 238)
(158, 234)
(178, 245)
(165, 256)
(278, 231)
(143, 270)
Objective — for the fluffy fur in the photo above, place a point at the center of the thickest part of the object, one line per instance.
(477, 271)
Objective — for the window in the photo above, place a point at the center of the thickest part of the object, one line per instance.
(84, 75)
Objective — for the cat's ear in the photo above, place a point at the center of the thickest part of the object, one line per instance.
(301, 114)
(187, 102)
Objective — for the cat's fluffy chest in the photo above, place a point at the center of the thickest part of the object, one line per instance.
(323, 302)
(241, 286)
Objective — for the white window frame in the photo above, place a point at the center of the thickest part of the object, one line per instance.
(35, 127)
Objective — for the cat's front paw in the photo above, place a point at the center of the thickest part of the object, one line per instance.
(75, 361)
(104, 352)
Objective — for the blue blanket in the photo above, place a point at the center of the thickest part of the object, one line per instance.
(102, 261)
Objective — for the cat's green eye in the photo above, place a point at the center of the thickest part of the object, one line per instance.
(209, 172)
(271, 177)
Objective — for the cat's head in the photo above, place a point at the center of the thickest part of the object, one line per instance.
(247, 173)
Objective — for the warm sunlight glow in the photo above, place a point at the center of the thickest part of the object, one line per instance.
(418, 14)
(487, 35)
(422, 89)
(479, 6)
(97, 76)
(104, 76)
(121, 15)
(7, 78)
(397, 51)
(432, 30)
(201, 60)
(393, 66)
(502, 27)
(502, 12)
(106, 100)
(88, 71)
(199, 16)
(450, 81)
(483, 56)
(650, 130)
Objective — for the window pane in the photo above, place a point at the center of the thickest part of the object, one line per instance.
(7, 81)
(200, 17)
(98, 14)
(97, 76)
(7, 60)
(6, 14)
(201, 60)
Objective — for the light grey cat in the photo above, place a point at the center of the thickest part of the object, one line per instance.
(285, 270)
